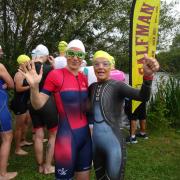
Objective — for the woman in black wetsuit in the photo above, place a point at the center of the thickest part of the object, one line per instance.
(107, 97)
(19, 106)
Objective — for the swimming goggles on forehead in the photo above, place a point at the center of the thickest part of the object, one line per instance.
(78, 54)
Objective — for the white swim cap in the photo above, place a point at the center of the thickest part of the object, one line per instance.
(33, 53)
(41, 50)
(60, 62)
(76, 43)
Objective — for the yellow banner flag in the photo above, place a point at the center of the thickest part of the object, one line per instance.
(143, 38)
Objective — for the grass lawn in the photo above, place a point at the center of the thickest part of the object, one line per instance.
(155, 159)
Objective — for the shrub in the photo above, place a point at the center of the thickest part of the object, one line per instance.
(164, 105)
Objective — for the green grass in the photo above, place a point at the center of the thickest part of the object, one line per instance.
(155, 159)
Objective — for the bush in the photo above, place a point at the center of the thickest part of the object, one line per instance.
(164, 106)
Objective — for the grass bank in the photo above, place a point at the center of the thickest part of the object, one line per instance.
(155, 159)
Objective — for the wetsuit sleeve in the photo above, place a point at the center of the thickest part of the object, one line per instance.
(142, 94)
(53, 82)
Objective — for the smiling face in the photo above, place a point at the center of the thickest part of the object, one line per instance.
(74, 58)
(102, 68)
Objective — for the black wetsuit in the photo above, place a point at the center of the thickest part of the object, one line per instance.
(46, 116)
(107, 98)
(19, 103)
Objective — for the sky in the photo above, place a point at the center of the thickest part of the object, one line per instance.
(177, 10)
(177, 6)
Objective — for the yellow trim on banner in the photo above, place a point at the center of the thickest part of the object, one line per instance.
(144, 38)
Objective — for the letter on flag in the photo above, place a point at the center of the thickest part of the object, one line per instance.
(143, 39)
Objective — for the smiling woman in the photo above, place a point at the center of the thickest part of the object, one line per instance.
(75, 54)
(73, 146)
(106, 99)
(102, 65)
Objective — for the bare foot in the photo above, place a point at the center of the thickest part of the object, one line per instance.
(21, 152)
(8, 175)
(49, 170)
(26, 143)
(41, 169)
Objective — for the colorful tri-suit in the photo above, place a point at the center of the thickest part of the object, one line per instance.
(73, 146)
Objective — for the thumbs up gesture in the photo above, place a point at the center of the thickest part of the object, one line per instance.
(150, 66)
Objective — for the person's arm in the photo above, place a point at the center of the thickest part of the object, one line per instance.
(29, 72)
(37, 98)
(150, 67)
(6, 77)
(18, 79)
(129, 92)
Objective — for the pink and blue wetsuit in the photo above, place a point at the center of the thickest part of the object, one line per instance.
(73, 146)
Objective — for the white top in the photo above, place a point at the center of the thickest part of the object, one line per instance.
(89, 72)
(60, 62)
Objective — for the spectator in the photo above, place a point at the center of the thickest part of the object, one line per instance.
(138, 114)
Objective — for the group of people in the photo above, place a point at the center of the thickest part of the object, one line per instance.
(83, 118)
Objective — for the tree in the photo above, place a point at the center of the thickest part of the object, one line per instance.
(100, 24)
(176, 42)
(169, 24)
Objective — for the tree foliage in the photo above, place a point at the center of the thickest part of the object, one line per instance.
(170, 60)
(169, 24)
(100, 24)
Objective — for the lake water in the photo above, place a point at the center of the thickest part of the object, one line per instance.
(158, 78)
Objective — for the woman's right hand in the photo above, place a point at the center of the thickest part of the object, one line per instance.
(28, 70)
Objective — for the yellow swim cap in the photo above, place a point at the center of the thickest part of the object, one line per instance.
(62, 46)
(23, 58)
(102, 54)
(112, 60)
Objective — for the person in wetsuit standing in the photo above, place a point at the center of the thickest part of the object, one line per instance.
(106, 100)
(73, 146)
(19, 105)
(6, 132)
(45, 117)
